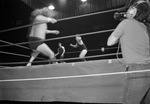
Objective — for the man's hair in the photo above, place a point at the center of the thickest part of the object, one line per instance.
(43, 11)
(143, 10)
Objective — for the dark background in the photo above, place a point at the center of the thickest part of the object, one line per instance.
(15, 13)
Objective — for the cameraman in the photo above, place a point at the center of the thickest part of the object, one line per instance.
(134, 39)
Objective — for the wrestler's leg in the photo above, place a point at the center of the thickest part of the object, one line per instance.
(44, 49)
(61, 57)
(33, 56)
(82, 54)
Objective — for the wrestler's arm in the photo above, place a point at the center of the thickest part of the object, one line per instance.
(57, 53)
(52, 32)
(74, 46)
(45, 19)
(63, 51)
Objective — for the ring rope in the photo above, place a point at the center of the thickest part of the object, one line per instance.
(15, 54)
(66, 59)
(54, 39)
(101, 12)
(15, 44)
(20, 27)
(77, 76)
(70, 36)
(4, 52)
(49, 39)
(80, 51)
(44, 58)
(18, 46)
(93, 50)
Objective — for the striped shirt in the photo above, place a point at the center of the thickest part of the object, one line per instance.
(134, 39)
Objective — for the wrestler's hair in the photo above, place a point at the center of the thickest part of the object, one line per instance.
(34, 13)
(59, 43)
(143, 11)
(43, 11)
(78, 37)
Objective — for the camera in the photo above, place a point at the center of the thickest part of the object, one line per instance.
(119, 16)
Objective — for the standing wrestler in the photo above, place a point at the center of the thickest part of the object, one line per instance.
(134, 39)
(79, 44)
(60, 52)
(37, 33)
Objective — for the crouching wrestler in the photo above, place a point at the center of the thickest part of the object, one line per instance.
(37, 33)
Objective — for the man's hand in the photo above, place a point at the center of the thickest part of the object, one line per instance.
(57, 32)
(52, 20)
(52, 32)
(71, 45)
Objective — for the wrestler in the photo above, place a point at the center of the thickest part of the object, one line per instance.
(37, 33)
(60, 52)
(79, 44)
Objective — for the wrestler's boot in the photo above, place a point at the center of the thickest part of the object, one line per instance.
(83, 59)
(61, 59)
(54, 60)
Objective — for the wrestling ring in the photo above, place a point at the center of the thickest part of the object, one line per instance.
(96, 81)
